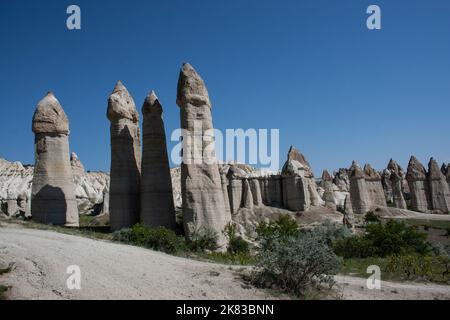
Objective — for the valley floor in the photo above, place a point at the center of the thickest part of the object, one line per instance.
(114, 271)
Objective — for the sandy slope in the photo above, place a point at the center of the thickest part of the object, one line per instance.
(114, 271)
(108, 270)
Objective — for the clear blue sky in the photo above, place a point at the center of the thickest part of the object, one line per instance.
(335, 90)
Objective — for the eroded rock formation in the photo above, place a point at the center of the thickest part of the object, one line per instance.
(53, 190)
(396, 177)
(438, 187)
(374, 186)
(299, 188)
(328, 195)
(359, 195)
(201, 186)
(124, 198)
(157, 208)
(418, 186)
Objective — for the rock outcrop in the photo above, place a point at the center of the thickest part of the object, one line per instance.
(341, 179)
(124, 198)
(15, 187)
(446, 172)
(418, 186)
(157, 208)
(438, 187)
(91, 188)
(359, 194)
(201, 186)
(299, 188)
(374, 186)
(396, 177)
(387, 185)
(328, 195)
(53, 190)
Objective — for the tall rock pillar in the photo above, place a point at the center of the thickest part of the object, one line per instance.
(53, 191)
(374, 186)
(201, 187)
(328, 195)
(439, 192)
(157, 208)
(124, 187)
(396, 176)
(416, 176)
(359, 195)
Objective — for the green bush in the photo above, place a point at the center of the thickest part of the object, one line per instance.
(411, 266)
(123, 235)
(332, 231)
(354, 247)
(161, 239)
(383, 239)
(203, 239)
(396, 237)
(371, 217)
(236, 244)
(283, 227)
(296, 263)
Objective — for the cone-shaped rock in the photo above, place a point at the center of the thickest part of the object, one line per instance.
(447, 174)
(418, 186)
(201, 187)
(396, 176)
(328, 195)
(77, 166)
(298, 184)
(53, 191)
(359, 195)
(247, 196)
(124, 194)
(374, 186)
(157, 208)
(439, 191)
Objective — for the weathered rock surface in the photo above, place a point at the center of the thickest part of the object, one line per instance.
(124, 198)
(446, 172)
(157, 207)
(328, 195)
(53, 190)
(396, 177)
(201, 186)
(15, 187)
(439, 190)
(299, 188)
(359, 195)
(387, 185)
(341, 179)
(374, 186)
(91, 189)
(418, 185)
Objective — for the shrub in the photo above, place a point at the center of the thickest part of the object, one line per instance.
(391, 238)
(332, 231)
(236, 244)
(410, 266)
(161, 239)
(203, 239)
(297, 262)
(283, 227)
(354, 247)
(123, 235)
(371, 217)
(396, 237)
